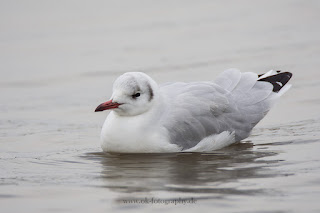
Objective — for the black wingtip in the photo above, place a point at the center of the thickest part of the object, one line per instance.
(278, 80)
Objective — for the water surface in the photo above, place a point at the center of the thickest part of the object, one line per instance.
(58, 62)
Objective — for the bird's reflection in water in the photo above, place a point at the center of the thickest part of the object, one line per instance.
(185, 172)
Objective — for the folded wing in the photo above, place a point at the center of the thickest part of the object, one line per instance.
(235, 102)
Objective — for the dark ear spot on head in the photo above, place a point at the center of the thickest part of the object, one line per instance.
(150, 91)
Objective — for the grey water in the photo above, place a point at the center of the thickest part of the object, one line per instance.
(58, 61)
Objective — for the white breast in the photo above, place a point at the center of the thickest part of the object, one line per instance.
(134, 134)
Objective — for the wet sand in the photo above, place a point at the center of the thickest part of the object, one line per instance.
(58, 61)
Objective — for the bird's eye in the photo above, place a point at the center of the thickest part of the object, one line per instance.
(136, 95)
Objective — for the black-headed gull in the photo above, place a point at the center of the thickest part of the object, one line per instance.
(187, 117)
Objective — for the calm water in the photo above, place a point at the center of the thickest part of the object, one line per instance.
(58, 62)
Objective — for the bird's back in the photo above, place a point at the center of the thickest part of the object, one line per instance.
(235, 102)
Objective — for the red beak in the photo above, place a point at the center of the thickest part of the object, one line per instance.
(107, 105)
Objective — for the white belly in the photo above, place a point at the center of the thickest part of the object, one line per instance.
(133, 135)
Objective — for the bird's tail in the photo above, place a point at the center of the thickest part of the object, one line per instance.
(253, 94)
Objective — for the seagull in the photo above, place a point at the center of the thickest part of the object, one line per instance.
(187, 117)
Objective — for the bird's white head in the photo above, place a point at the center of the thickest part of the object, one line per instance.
(133, 94)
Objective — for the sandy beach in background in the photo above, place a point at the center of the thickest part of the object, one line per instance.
(58, 61)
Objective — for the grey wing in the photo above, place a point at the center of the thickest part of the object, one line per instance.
(235, 103)
(195, 111)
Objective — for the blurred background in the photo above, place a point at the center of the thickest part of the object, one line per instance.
(58, 60)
